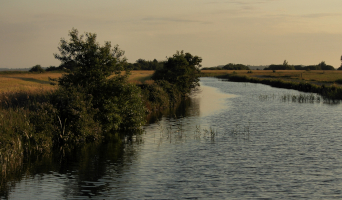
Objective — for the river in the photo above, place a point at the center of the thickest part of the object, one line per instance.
(229, 141)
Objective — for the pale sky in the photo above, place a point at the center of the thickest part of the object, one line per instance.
(253, 32)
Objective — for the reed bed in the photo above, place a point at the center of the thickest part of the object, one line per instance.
(322, 76)
(30, 125)
(176, 131)
(333, 92)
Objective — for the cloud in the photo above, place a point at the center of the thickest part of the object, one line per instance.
(320, 15)
(241, 2)
(168, 19)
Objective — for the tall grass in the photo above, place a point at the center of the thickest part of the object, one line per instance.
(31, 119)
(333, 92)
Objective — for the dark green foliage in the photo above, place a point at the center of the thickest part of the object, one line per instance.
(212, 68)
(173, 92)
(181, 70)
(339, 81)
(155, 97)
(232, 66)
(285, 66)
(142, 64)
(279, 67)
(160, 95)
(330, 92)
(340, 68)
(299, 67)
(324, 66)
(74, 116)
(94, 63)
(42, 118)
(37, 68)
(52, 68)
(118, 103)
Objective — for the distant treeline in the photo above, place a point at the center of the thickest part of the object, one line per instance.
(142, 64)
(286, 66)
(230, 66)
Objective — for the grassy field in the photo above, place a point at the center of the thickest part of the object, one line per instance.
(314, 76)
(35, 83)
(26, 82)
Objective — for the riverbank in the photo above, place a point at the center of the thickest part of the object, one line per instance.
(31, 121)
(329, 90)
(314, 76)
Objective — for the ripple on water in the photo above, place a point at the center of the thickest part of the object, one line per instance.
(261, 148)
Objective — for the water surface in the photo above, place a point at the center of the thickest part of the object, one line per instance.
(230, 141)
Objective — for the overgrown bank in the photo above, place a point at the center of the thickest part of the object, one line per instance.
(331, 92)
(93, 102)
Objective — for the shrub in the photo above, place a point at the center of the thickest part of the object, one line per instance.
(74, 116)
(37, 68)
(181, 70)
(117, 103)
(232, 66)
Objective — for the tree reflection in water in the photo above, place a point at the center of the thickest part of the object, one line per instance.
(83, 166)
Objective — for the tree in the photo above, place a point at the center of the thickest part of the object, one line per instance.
(98, 72)
(324, 66)
(37, 68)
(232, 66)
(182, 70)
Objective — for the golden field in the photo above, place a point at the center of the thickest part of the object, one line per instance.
(327, 76)
(35, 82)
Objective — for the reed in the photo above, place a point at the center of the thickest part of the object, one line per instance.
(333, 92)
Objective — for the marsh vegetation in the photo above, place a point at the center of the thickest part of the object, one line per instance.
(92, 101)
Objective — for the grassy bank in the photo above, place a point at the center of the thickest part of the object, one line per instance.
(31, 114)
(315, 76)
(330, 91)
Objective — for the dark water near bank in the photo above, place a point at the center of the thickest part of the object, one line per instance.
(229, 141)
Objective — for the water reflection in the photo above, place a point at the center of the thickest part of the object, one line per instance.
(242, 148)
(210, 100)
(67, 173)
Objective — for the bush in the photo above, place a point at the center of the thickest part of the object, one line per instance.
(74, 116)
(37, 68)
(232, 66)
(118, 105)
(181, 70)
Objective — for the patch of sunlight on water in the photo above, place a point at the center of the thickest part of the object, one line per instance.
(211, 100)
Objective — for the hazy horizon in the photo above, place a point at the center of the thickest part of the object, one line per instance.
(260, 32)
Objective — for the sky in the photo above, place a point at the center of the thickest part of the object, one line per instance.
(251, 32)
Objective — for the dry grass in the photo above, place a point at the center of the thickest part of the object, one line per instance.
(141, 76)
(328, 76)
(29, 82)
(36, 83)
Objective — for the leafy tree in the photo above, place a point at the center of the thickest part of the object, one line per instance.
(98, 72)
(182, 70)
(324, 66)
(37, 68)
(142, 64)
(52, 68)
(232, 66)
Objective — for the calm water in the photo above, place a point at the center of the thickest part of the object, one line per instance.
(229, 141)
